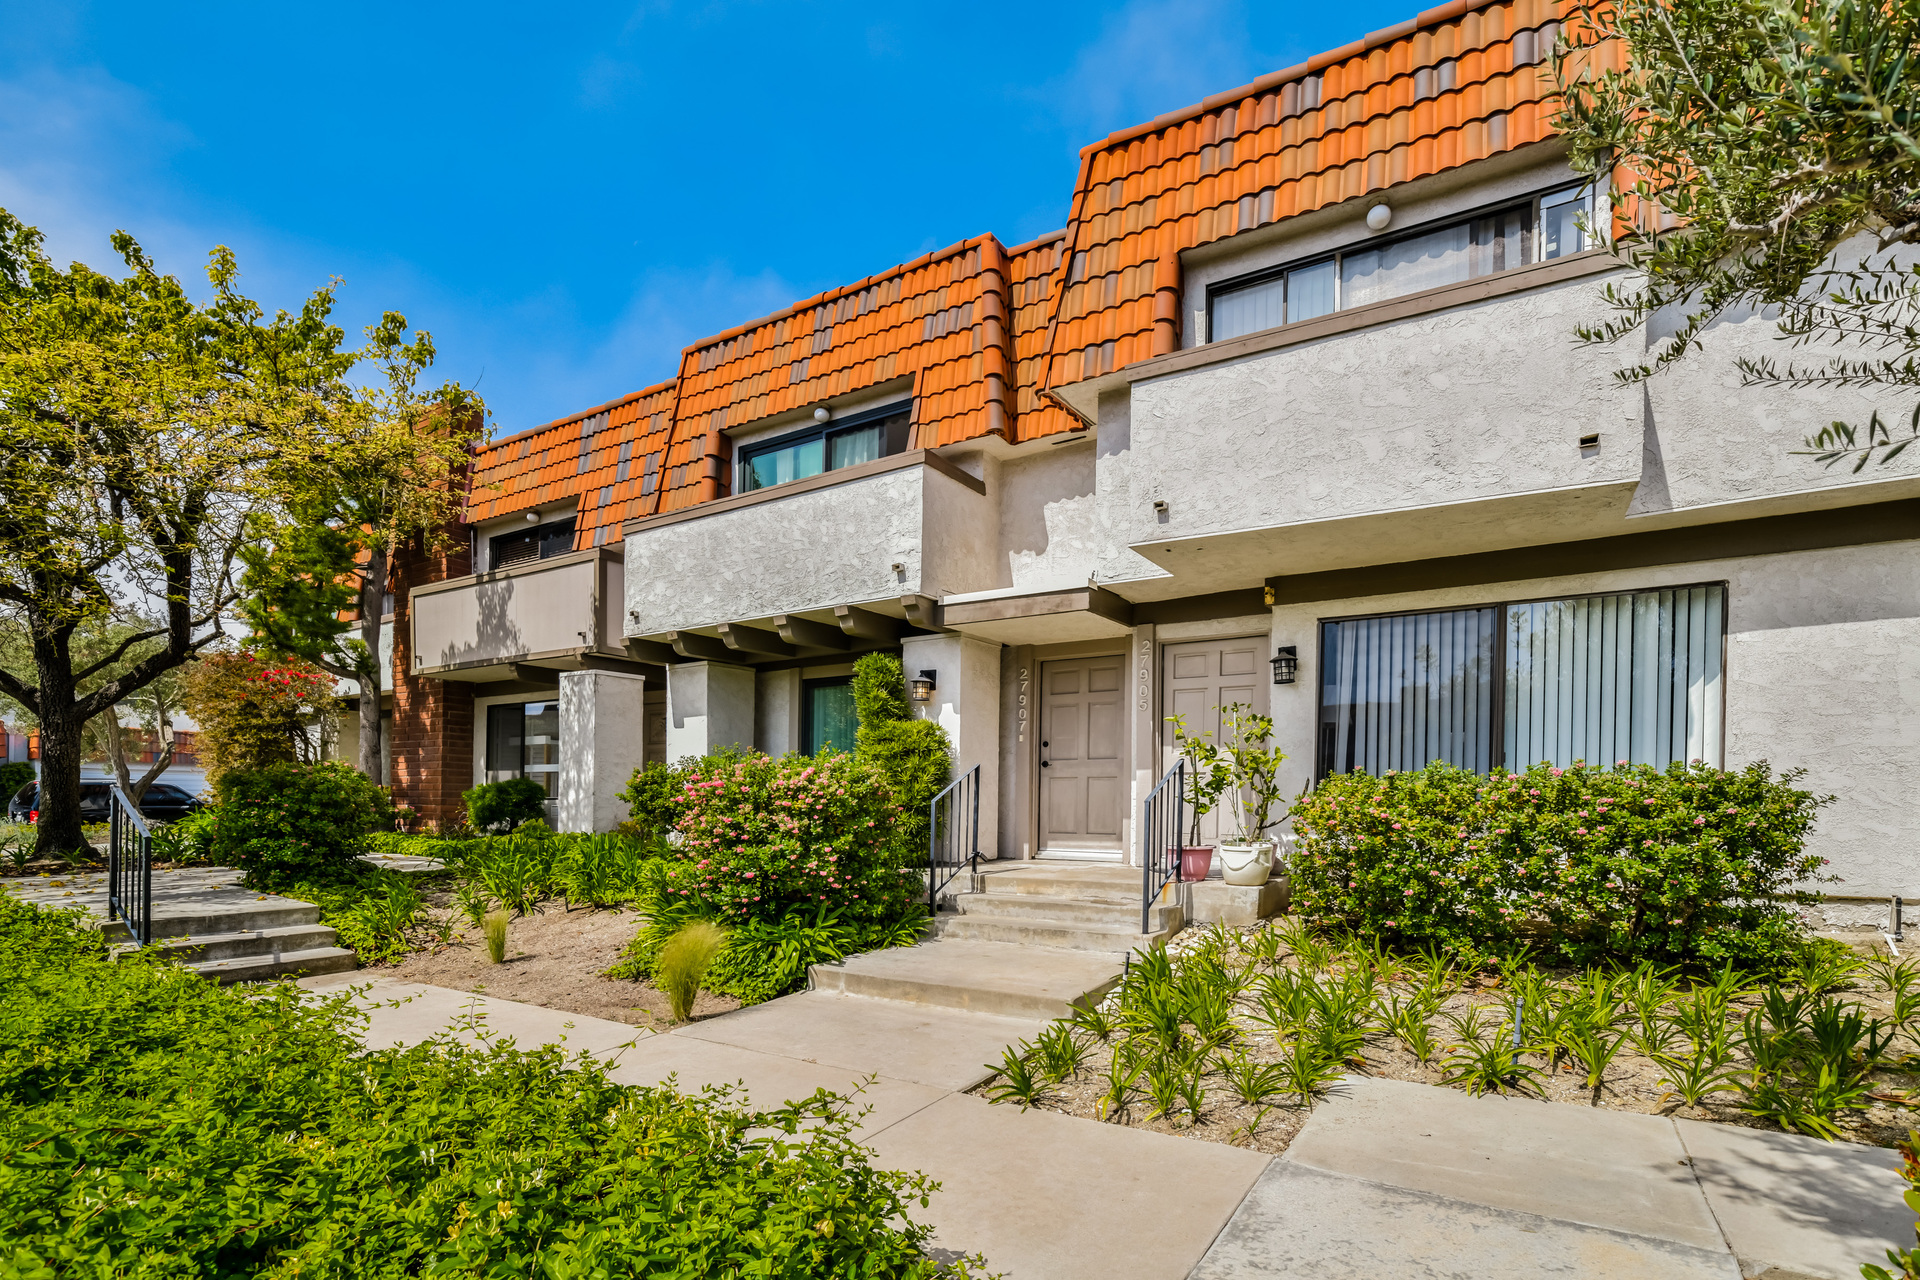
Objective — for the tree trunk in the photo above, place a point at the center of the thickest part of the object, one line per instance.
(373, 604)
(58, 828)
(117, 753)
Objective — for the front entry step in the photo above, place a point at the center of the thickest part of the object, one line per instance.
(1076, 907)
(985, 977)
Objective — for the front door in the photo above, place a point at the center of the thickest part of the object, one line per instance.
(1202, 676)
(1083, 749)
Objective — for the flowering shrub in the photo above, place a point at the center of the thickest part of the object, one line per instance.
(253, 712)
(761, 837)
(290, 819)
(1591, 863)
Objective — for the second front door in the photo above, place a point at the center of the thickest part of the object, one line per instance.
(1083, 785)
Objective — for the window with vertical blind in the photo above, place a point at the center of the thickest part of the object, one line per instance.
(1629, 676)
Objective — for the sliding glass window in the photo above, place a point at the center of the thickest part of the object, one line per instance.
(523, 741)
(800, 454)
(1533, 230)
(1633, 676)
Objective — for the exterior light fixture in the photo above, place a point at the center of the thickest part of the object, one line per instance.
(1379, 217)
(1286, 664)
(533, 517)
(920, 688)
(822, 414)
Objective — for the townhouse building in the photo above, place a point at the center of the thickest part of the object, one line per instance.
(1291, 413)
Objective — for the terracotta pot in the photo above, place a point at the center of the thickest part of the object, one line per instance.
(1195, 861)
(1247, 864)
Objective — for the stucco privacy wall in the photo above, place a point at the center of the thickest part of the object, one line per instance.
(1822, 672)
(808, 550)
(539, 608)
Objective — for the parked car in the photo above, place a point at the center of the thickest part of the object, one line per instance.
(163, 802)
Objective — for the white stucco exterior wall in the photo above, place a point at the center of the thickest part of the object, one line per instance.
(709, 706)
(966, 703)
(603, 734)
(776, 711)
(1822, 672)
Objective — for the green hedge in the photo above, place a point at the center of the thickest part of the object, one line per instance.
(1584, 864)
(296, 819)
(155, 1126)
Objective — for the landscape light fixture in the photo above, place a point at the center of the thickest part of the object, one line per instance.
(1286, 664)
(920, 688)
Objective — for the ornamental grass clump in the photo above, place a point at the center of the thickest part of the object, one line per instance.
(683, 963)
(495, 929)
(1683, 865)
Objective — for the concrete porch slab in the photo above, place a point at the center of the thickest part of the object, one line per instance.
(1797, 1206)
(769, 1079)
(984, 977)
(1617, 1172)
(1049, 1197)
(945, 1048)
(1300, 1221)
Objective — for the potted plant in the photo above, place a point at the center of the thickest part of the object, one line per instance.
(1207, 775)
(1253, 789)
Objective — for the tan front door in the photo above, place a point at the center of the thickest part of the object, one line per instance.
(1083, 749)
(1202, 676)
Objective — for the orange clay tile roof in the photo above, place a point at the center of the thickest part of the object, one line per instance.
(985, 331)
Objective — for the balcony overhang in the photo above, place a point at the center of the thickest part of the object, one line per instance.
(1039, 617)
(523, 624)
(818, 634)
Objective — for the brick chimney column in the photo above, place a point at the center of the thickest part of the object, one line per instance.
(433, 726)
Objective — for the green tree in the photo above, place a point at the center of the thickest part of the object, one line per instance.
(914, 754)
(1763, 155)
(139, 428)
(386, 472)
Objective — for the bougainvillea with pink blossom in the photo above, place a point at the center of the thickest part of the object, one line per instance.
(1586, 864)
(761, 837)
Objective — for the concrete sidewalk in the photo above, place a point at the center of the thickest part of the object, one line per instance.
(1385, 1179)
(1390, 1178)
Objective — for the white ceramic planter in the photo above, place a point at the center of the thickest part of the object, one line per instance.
(1248, 864)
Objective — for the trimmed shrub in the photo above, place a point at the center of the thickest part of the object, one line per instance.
(914, 754)
(158, 1125)
(499, 807)
(1586, 864)
(296, 819)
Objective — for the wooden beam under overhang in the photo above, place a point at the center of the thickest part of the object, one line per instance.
(652, 651)
(864, 624)
(808, 634)
(754, 640)
(700, 648)
(922, 612)
(521, 673)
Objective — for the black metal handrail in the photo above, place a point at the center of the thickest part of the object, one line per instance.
(129, 867)
(953, 833)
(1163, 831)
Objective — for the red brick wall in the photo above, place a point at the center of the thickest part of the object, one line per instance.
(432, 719)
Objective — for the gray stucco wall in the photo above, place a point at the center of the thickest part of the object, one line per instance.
(809, 550)
(1822, 672)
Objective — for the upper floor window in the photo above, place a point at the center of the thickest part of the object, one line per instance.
(1532, 230)
(800, 454)
(535, 543)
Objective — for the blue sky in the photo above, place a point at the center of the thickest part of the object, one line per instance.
(566, 194)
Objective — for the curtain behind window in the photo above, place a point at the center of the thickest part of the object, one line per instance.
(1401, 692)
(1631, 677)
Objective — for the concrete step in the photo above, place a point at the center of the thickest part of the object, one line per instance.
(251, 942)
(986, 977)
(272, 913)
(1114, 885)
(1031, 906)
(1040, 931)
(290, 964)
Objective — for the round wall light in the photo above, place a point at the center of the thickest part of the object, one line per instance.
(822, 414)
(1379, 217)
(533, 517)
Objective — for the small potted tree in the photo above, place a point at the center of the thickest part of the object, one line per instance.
(1252, 769)
(1207, 774)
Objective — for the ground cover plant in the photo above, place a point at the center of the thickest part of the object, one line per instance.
(155, 1125)
(1231, 1036)
(1586, 865)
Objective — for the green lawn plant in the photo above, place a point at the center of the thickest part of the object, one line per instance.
(155, 1125)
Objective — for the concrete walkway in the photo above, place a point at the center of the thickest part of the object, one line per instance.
(1385, 1179)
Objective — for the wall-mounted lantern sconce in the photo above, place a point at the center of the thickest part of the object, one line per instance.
(920, 688)
(1286, 664)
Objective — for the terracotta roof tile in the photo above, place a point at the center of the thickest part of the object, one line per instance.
(985, 331)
